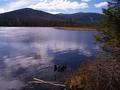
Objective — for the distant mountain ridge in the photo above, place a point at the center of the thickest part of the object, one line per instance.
(31, 17)
(83, 17)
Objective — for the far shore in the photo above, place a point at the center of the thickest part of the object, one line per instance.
(64, 28)
(77, 28)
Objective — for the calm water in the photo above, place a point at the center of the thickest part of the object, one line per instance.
(31, 52)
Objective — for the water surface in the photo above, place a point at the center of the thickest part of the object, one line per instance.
(26, 52)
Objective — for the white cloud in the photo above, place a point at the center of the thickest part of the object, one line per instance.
(85, 0)
(17, 4)
(9, 84)
(2, 10)
(59, 5)
(47, 5)
(54, 12)
(101, 4)
(13, 6)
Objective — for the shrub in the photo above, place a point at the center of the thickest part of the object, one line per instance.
(96, 75)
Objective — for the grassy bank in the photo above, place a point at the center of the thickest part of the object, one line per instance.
(96, 75)
(77, 28)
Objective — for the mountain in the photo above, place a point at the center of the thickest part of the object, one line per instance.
(83, 17)
(31, 17)
(26, 17)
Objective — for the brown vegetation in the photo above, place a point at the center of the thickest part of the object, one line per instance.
(79, 28)
(96, 75)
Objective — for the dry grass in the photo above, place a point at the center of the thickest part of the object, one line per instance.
(96, 75)
(78, 28)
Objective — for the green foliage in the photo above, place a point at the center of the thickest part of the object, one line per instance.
(110, 29)
(102, 74)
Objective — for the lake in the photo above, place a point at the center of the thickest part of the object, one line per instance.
(32, 52)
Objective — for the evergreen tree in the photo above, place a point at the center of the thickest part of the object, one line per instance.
(110, 29)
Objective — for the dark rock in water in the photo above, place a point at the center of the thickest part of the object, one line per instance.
(55, 68)
(60, 68)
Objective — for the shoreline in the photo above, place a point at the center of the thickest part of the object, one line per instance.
(63, 28)
(77, 28)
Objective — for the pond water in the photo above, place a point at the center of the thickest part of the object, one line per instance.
(28, 52)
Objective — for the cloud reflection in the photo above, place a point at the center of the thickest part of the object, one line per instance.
(25, 50)
(6, 84)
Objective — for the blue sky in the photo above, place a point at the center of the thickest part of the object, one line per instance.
(55, 6)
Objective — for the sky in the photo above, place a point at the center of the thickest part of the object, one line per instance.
(55, 6)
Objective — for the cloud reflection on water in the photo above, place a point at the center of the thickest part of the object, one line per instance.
(23, 51)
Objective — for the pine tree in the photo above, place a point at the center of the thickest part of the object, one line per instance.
(110, 30)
